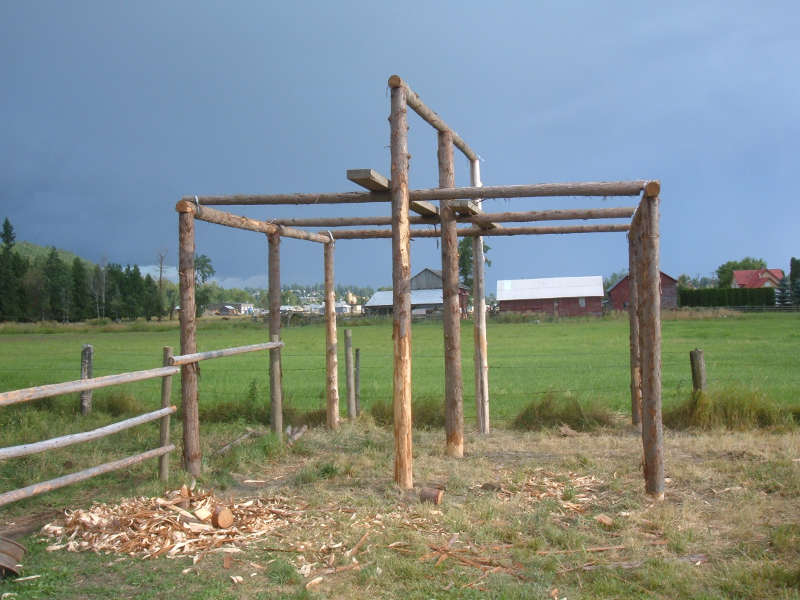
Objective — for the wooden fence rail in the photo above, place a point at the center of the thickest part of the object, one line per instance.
(69, 387)
(58, 389)
(198, 356)
(86, 436)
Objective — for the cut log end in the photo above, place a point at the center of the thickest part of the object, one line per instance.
(222, 517)
(185, 206)
(433, 495)
(652, 189)
(395, 81)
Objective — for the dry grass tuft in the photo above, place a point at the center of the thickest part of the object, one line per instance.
(728, 409)
(555, 409)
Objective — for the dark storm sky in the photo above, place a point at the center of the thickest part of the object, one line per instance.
(112, 111)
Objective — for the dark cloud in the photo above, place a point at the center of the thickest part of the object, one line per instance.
(112, 112)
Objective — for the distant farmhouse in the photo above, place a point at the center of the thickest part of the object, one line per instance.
(559, 296)
(230, 308)
(619, 295)
(426, 295)
(757, 278)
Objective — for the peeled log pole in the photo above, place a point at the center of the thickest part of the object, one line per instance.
(53, 484)
(633, 318)
(698, 364)
(70, 387)
(87, 368)
(451, 318)
(650, 348)
(331, 359)
(186, 359)
(536, 190)
(351, 379)
(229, 220)
(166, 394)
(192, 456)
(479, 317)
(483, 219)
(275, 381)
(363, 234)
(85, 436)
(431, 117)
(401, 291)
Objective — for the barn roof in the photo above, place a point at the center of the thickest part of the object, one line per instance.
(384, 298)
(549, 287)
(755, 278)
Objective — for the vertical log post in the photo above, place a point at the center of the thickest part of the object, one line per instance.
(166, 392)
(479, 317)
(650, 344)
(87, 371)
(633, 317)
(698, 364)
(453, 382)
(192, 456)
(401, 286)
(331, 359)
(357, 381)
(275, 382)
(351, 378)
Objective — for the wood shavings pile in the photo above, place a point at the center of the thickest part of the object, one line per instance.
(151, 527)
(576, 494)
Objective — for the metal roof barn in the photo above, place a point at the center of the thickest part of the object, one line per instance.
(549, 287)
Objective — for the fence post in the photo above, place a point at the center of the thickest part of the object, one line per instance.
(166, 391)
(357, 382)
(276, 388)
(698, 364)
(351, 384)
(87, 369)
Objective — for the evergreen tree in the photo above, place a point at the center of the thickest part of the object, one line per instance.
(81, 301)
(57, 287)
(151, 300)
(133, 292)
(466, 259)
(794, 270)
(783, 293)
(8, 236)
(796, 292)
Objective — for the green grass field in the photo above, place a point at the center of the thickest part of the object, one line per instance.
(588, 358)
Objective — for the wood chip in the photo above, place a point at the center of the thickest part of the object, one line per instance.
(604, 519)
(313, 582)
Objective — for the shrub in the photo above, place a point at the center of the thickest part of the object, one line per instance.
(117, 404)
(729, 409)
(426, 413)
(555, 409)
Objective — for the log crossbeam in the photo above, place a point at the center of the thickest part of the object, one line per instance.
(537, 190)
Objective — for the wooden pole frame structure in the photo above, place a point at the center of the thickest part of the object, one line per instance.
(643, 247)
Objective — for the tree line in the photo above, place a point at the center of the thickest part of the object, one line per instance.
(49, 288)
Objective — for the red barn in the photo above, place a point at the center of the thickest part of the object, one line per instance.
(620, 294)
(559, 296)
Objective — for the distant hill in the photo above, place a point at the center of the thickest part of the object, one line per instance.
(34, 251)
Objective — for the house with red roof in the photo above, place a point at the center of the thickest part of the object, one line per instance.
(757, 278)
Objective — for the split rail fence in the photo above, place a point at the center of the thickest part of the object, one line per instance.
(172, 365)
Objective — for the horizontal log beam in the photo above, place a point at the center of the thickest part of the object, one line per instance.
(364, 234)
(504, 217)
(69, 387)
(537, 190)
(86, 436)
(59, 482)
(219, 217)
(198, 356)
(413, 100)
